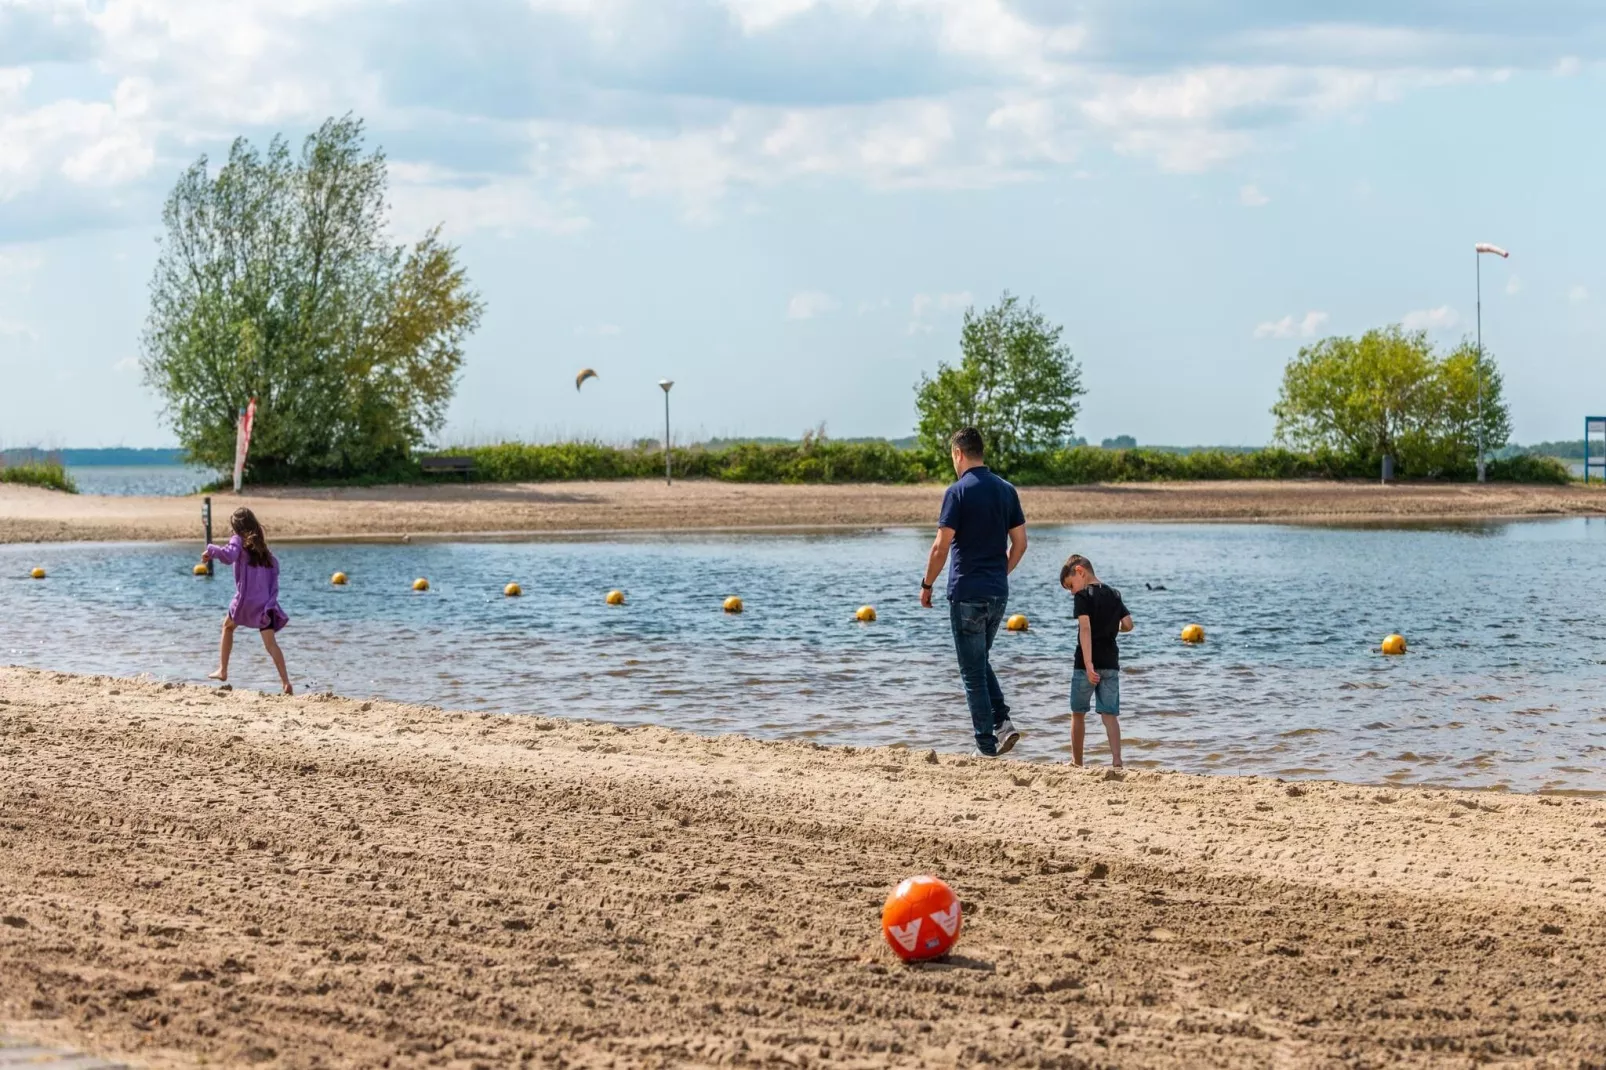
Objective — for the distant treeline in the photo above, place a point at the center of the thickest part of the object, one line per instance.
(1568, 451)
(833, 461)
(85, 458)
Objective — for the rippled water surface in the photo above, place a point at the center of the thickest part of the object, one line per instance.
(145, 479)
(1503, 685)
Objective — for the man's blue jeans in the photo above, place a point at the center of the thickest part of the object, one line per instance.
(975, 624)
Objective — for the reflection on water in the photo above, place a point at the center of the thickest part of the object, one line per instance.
(1503, 685)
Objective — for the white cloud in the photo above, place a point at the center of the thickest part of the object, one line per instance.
(424, 196)
(1306, 326)
(87, 143)
(1567, 66)
(13, 80)
(724, 95)
(127, 366)
(1250, 197)
(1578, 295)
(1442, 318)
(1513, 285)
(922, 307)
(807, 304)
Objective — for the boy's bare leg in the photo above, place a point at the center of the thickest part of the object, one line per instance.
(1078, 736)
(270, 641)
(1112, 729)
(224, 646)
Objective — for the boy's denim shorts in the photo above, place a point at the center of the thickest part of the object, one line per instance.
(1108, 693)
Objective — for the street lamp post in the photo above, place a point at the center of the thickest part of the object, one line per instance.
(1481, 248)
(666, 384)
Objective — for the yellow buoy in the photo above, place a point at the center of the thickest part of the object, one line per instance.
(1193, 633)
(338, 579)
(615, 598)
(38, 573)
(865, 613)
(512, 590)
(733, 604)
(200, 569)
(1017, 623)
(420, 584)
(1394, 644)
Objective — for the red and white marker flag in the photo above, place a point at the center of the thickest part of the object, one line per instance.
(242, 441)
(1485, 247)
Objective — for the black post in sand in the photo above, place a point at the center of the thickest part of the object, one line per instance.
(206, 521)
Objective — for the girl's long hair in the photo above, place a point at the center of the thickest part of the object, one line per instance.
(249, 529)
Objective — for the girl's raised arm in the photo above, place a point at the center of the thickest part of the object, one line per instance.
(226, 554)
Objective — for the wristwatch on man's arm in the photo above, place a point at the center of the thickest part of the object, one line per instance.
(924, 586)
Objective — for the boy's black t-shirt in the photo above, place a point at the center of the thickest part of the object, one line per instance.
(1103, 608)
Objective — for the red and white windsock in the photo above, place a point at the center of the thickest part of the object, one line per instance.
(1485, 247)
(242, 441)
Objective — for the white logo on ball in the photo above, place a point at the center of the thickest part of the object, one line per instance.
(906, 935)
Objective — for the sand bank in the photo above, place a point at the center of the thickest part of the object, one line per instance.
(190, 875)
(28, 514)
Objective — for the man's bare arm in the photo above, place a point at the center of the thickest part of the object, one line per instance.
(1126, 623)
(1017, 545)
(939, 554)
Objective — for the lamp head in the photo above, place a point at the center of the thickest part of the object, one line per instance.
(1485, 247)
(666, 384)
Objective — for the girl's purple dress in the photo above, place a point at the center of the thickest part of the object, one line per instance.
(256, 590)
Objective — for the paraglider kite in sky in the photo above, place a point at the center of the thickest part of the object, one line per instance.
(585, 373)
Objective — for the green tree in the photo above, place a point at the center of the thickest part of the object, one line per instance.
(1016, 381)
(275, 280)
(1388, 393)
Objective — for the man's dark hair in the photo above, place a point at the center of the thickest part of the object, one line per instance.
(1070, 566)
(967, 440)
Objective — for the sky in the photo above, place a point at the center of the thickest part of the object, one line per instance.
(786, 205)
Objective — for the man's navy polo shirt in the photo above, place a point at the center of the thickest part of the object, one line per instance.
(981, 508)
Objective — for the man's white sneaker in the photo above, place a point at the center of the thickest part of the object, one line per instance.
(1007, 737)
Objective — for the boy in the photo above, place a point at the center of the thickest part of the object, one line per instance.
(1100, 614)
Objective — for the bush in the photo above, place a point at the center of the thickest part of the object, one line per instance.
(47, 474)
(809, 462)
(1086, 464)
(1529, 469)
(827, 461)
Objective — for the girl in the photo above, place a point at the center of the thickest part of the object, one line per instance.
(256, 592)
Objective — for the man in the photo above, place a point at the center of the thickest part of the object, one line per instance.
(981, 535)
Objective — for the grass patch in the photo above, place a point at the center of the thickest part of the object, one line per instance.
(39, 474)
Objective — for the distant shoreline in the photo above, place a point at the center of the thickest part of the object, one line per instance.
(518, 510)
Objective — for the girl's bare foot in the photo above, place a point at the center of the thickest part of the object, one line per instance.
(218, 675)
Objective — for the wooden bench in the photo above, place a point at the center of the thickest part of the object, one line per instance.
(453, 465)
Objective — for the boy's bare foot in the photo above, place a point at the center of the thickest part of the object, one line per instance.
(217, 674)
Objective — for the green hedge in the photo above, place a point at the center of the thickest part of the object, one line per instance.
(45, 474)
(828, 462)
(880, 462)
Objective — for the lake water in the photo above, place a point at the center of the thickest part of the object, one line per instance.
(1505, 684)
(155, 480)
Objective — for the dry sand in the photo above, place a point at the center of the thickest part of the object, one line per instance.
(28, 514)
(190, 875)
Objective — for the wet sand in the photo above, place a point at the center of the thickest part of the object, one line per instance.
(28, 514)
(189, 875)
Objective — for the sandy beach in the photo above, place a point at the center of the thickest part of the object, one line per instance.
(194, 877)
(28, 514)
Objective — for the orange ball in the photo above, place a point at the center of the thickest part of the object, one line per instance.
(921, 919)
